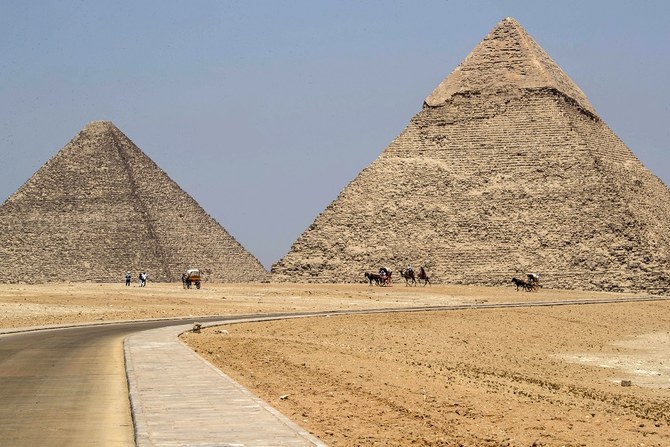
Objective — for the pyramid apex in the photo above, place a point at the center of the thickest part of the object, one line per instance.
(99, 125)
(507, 59)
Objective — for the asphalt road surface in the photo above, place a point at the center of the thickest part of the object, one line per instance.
(67, 387)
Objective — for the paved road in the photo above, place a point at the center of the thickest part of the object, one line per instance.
(67, 387)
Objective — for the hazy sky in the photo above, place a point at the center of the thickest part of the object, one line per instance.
(263, 111)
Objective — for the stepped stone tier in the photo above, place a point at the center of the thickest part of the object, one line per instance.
(101, 207)
(506, 170)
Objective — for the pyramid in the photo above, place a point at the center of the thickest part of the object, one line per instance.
(506, 170)
(101, 207)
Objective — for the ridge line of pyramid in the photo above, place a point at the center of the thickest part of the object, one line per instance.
(527, 42)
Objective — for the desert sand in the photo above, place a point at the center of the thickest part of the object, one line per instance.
(589, 375)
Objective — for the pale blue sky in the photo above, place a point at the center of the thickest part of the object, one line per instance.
(279, 104)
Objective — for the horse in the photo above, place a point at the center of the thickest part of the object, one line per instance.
(373, 277)
(409, 276)
(424, 276)
(385, 279)
(533, 282)
(384, 276)
(521, 283)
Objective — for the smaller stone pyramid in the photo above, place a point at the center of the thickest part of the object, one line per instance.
(101, 207)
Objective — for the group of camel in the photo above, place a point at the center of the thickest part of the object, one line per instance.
(383, 278)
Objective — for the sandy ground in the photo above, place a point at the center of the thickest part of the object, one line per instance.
(480, 377)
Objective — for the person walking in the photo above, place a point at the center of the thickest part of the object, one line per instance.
(127, 278)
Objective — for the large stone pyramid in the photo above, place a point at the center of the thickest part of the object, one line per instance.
(506, 170)
(100, 207)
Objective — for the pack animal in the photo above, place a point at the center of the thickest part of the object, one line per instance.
(409, 277)
(521, 283)
(385, 276)
(373, 277)
(423, 276)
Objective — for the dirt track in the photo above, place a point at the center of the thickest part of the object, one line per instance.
(523, 376)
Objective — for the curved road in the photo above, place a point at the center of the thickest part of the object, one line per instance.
(67, 387)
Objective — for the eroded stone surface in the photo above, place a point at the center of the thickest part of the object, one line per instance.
(499, 175)
(101, 207)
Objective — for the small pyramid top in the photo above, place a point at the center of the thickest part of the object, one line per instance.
(100, 128)
(99, 125)
(507, 58)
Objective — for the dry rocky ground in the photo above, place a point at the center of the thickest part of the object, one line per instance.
(479, 377)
